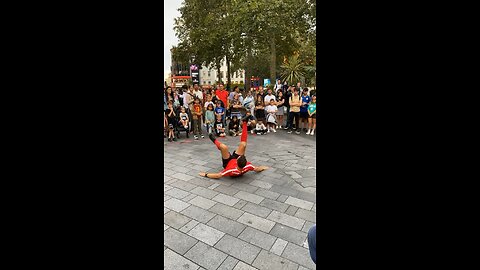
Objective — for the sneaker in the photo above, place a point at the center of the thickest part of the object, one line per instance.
(202, 136)
(251, 131)
(169, 139)
(311, 133)
(276, 127)
(289, 132)
(268, 130)
(308, 132)
(246, 118)
(285, 128)
(195, 137)
(274, 130)
(298, 132)
(174, 139)
(212, 137)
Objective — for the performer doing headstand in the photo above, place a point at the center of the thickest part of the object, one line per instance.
(234, 164)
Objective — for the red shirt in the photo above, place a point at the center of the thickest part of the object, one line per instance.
(222, 95)
(231, 169)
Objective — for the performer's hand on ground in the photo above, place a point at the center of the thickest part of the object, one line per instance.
(201, 174)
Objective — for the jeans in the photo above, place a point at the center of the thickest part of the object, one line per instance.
(312, 243)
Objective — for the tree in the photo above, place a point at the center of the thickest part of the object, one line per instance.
(293, 70)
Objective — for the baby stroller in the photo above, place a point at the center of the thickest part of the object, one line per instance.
(178, 128)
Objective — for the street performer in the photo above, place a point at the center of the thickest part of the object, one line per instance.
(234, 164)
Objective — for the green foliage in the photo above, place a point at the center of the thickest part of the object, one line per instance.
(293, 70)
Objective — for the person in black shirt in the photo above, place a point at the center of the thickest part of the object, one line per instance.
(234, 127)
(171, 116)
(288, 94)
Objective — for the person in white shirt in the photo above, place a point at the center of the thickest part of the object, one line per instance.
(260, 129)
(198, 92)
(271, 111)
(278, 86)
(269, 97)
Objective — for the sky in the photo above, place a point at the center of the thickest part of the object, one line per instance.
(170, 12)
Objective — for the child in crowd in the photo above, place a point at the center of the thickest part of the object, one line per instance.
(259, 109)
(234, 127)
(281, 108)
(260, 129)
(184, 118)
(171, 121)
(271, 110)
(209, 117)
(304, 109)
(219, 110)
(249, 103)
(197, 118)
(312, 116)
(219, 126)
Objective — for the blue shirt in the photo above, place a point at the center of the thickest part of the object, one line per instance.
(219, 110)
(305, 99)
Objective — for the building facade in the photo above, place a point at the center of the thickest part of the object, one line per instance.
(208, 76)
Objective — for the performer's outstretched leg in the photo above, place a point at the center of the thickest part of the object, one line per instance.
(222, 147)
(244, 132)
(243, 140)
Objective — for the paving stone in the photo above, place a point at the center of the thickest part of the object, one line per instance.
(267, 194)
(226, 225)
(240, 204)
(202, 182)
(257, 238)
(298, 254)
(306, 215)
(226, 199)
(226, 211)
(268, 261)
(183, 185)
(204, 192)
(187, 227)
(177, 193)
(307, 226)
(291, 210)
(274, 205)
(257, 210)
(213, 186)
(202, 202)
(175, 220)
(256, 222)
(285, 219)
(206, 256)
(282, 198)
(243, 266)
(261, 184)
(198, 214)
(206, 234)
(288, 234)
(182, 176)
(189, 197)
(299, 203)
(238, 248)
(278, 246)
(176, 204)
(178, 241)
(249, 197)
(228, 264)
(244, 187)
(284, 190)
(173, 261)
(227, 190)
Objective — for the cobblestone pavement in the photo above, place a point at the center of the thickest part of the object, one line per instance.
(257, 221)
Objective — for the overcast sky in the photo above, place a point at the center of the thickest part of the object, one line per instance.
(171, 12)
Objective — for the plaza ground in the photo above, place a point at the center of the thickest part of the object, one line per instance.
(257, 221)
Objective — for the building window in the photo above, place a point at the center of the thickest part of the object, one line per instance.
(204, 82)
(209, 82)
(241, 82)
(209, 73)
(221, 76)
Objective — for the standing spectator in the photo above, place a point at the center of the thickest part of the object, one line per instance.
(280, 108)
(209, 101)
(169, 94)
(236, 107)
(209, 117)
(171, 116)
(198, 92)
(271, 110)
(278, 86)
(269, 96)
(312, 116)
(197, 113)
(261, 92)
(304, 109)
(260, 109)
(222, 94)
(236, 91)
(295, 103)
(288, 95)
(165, 107)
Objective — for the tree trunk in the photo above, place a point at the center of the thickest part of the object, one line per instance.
(219, 75)
(248, 70)
(273, 61)
(229, 82)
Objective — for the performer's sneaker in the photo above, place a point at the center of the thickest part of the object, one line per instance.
(202, 136)
(212, 137)
(246, 118)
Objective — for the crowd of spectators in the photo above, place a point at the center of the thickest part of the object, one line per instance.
(197, 110)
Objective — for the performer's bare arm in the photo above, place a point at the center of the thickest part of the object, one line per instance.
(260, 168)
(211, 175)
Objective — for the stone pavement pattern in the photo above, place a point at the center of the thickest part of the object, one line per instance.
(257, 221)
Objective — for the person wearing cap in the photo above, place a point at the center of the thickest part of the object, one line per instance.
(304, 109)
